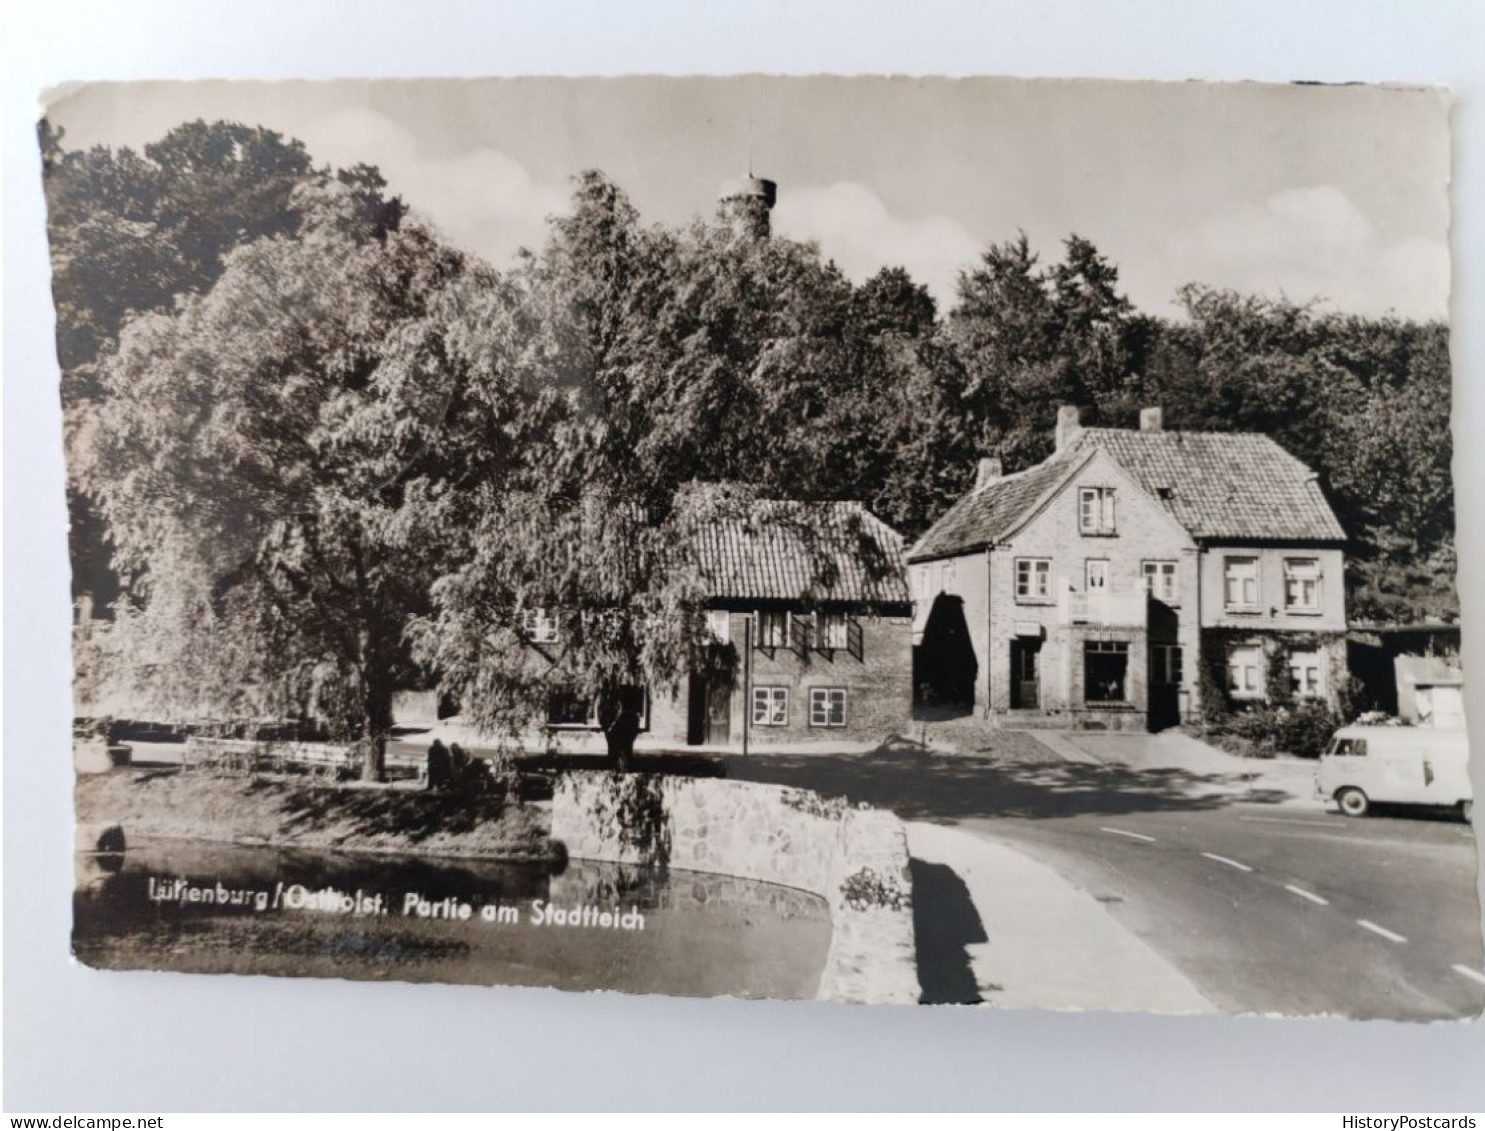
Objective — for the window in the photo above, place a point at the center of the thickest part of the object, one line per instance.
(770, 706)
(1165, 663)
(1096, 510)
(566, 708)
(719, 625)
(538, 627)
(1096, 575)
(1305, 679)
(1245, 672)
(827, 706)
(1160, 577)
(1350, 747)
(773, 629)
(1105, 671)
(946, 576)
(1240, 584)
(1033, 579)
(833, 632)
(1302, 585)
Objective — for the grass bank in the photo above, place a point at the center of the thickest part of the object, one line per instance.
(292, 812)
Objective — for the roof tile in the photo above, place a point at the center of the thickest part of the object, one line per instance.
(1217, 485)
(803, 551)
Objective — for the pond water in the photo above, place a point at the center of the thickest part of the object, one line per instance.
(210, 908)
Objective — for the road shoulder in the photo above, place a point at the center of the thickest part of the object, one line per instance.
(1049, 944)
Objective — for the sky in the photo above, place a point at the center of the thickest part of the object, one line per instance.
(1330, 193)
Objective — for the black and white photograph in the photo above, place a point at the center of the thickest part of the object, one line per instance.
(891, 541)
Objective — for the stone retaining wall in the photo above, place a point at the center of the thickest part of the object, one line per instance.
(856, 859)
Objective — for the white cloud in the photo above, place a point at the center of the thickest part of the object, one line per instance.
(483, 199)
(854, 227)
(1313, 242)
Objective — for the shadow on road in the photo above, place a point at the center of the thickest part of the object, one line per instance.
(920, 785)
(945, 923)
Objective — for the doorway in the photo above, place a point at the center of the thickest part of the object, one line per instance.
(1026, 681)
(1165, 685)
(709, 718)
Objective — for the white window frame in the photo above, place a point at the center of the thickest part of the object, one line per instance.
(1160, 579)
(1305, 574)
(1096, 567)
(1247, 671)
(770, 706)
(1113, 648)
(1096, 513)
(822, 703)
(1243, 569)
(1033, 580)
(539, 628)
(1307, 674)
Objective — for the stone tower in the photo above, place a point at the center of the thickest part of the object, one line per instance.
(746, 203)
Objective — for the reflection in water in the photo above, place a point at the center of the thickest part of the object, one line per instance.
(226, 909)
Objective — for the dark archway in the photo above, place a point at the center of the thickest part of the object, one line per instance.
(944, 665)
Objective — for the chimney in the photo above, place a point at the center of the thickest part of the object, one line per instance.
(990, 470)
(1069, 425)
(1151, 420)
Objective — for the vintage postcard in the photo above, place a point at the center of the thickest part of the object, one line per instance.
(980, 542)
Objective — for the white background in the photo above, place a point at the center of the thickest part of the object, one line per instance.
(78, 1040)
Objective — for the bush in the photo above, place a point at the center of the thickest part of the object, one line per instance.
(1303, 731)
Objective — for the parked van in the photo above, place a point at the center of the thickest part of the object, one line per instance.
(1364, 766)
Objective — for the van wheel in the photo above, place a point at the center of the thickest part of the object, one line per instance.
(1353, 802)
(1466, 810)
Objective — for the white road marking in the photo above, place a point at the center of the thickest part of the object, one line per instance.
(1123, 832)
(1470, 972)
(1238, 864)
(1311, 896)
(1289, 821)
(1390, 936)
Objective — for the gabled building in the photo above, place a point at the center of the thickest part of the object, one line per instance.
(1129, 575)
(808, 602)
(807, 606)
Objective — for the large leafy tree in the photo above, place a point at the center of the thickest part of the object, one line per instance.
(647, 386)
(254, 454)
(131, 231)
(1031, 337)
(1364, 401)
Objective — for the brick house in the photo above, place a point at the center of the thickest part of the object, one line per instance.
(809, 609)
(1127, 576)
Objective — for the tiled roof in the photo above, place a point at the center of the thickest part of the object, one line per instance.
(1224, 485)
(982, 516)
(1238, 485)
(803, 551)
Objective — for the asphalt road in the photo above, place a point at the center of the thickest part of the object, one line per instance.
(1268, 909)
(1261, 906)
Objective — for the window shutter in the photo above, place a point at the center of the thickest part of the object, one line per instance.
(855, 637)
(801, 634)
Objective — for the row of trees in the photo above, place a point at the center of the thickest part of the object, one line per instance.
(321, 454)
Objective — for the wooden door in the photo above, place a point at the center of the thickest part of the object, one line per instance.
(1026, 684)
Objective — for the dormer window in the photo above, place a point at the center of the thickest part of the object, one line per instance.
(1096, 510)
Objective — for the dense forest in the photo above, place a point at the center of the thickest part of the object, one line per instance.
(304, 425)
